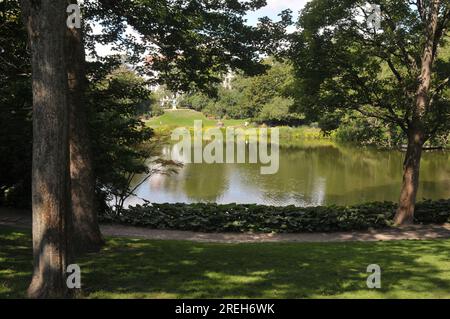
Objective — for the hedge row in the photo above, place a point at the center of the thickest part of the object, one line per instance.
(267, 219)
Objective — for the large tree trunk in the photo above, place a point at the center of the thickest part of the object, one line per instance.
(87, 236)
(46, 24)
(416, 133)
(411, 169)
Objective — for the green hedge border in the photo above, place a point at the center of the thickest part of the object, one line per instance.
(271, 219)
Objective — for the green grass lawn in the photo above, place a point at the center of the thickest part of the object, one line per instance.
(131, 268)
(290, 137)
(186, 118)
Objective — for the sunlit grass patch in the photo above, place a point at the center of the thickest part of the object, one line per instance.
(186, 118)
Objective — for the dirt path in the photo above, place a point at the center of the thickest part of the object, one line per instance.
(410, 233)
(418, 232)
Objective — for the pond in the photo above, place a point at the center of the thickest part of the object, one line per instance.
(312, 174)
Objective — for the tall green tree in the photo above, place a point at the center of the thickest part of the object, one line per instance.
(46, 24)
(340, 56)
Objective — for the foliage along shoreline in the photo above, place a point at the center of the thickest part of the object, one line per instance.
(306, 136)
(354, 134)
(243, 218)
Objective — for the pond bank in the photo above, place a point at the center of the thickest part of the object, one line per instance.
(416, 232)
(22, 219)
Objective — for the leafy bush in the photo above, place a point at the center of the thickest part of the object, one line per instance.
(156, 110)
(196, 101)
(361, 131)
(266, 219)
(121, 140)
(277, 109)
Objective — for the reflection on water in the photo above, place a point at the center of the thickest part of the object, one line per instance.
(308, 176)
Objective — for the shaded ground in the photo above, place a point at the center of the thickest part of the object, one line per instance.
(19, 218)
(137, 268)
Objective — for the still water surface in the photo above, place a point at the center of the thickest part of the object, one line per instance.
(310, 175)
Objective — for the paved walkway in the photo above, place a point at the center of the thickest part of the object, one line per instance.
(22, 219)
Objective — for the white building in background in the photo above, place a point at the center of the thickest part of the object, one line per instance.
(228, 80)
(170, 101)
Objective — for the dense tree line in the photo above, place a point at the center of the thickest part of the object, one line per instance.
(262, 98)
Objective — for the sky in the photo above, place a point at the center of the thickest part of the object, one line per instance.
(271, 10)
(274, 7)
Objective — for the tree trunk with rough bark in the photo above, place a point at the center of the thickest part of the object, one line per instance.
(46, 24)
(411, 169)
(87, 236)
(416, 134)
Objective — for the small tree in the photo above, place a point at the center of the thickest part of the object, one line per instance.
(125, 147)
(394, 73)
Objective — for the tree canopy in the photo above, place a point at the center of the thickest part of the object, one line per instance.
(343, 62)
(189, 43)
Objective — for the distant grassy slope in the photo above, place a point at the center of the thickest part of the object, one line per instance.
(186, 118)
(134, 268)
(290, 137)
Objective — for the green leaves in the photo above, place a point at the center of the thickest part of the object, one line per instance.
(15, 108)
(342, 64)
(267, 219)
(189, 43)
(264, 98)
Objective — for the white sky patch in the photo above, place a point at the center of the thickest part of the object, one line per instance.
(102, 50)
(105, 50)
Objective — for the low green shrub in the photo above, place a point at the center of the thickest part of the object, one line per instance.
(267, 219)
